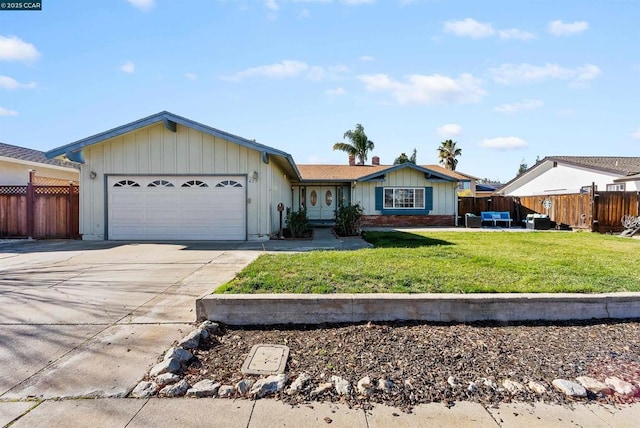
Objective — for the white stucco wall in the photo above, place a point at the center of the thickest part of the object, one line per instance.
(560, 179)
(444, 193)
(17, 173)
(154, 150)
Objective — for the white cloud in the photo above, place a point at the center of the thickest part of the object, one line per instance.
(504, 143)
(636, 134)
(128, 67)
(191, 76)
(469, 28)
(427, 89)
(511, 74)
(272, 5)
(515, 34)
(7, 82)
(142, 4)
(356, 2)
(13, 48)
(7, 112)
(519, 106)
(449, 130)
(559, 28)
(304, 13)
(367, 58)
(290, 69)
(336, 91)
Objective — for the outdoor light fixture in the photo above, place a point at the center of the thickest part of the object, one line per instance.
(254, 176)
(93, 175)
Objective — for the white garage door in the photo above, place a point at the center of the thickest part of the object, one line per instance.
(177, 208)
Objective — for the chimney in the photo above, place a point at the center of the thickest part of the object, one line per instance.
(352, 160)
(375, 160)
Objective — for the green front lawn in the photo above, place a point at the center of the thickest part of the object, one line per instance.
(450, 262)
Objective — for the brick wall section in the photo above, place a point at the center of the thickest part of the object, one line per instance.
(408, 220)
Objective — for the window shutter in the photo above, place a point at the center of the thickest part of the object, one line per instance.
(428, 198)
(379, 198)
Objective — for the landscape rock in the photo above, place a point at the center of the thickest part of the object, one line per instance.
(243, 386)
(297, 385)
(364, 386)
(226, 391)
(569, 388)
(512, 387)
(209, 326)
(204, 388)
(620, 386)
(473, 387)
(489, 383)
(167, 379)
(594, 385)
(166, 366)
(144, 389)
(178, 354)
(385, 385)
(175, 390)
(191, 340)
(269, 385)
(343, 387)
(452, 381)
(323, 387)
(537, 387)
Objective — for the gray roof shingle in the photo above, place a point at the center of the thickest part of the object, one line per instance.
(31, 155)
(617, 164)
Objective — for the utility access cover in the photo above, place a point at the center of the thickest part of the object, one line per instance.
(266, 359)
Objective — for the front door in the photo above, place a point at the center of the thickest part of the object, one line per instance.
(321, 202)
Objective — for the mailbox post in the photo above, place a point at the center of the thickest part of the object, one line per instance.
(280, 210)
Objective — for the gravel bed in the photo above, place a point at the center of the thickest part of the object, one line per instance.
(429, 362)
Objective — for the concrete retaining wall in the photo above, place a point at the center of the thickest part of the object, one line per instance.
(247, 309)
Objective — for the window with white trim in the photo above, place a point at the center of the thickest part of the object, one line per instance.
(619, 187)
(404, 197)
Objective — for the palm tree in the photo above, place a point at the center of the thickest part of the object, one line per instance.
(360, 145)
(447, 152)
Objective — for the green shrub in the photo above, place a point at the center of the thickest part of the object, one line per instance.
(348, 220)
(297, 222)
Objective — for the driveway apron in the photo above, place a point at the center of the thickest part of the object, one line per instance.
(89, 319)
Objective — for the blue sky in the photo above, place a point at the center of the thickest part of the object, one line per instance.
(507, 80)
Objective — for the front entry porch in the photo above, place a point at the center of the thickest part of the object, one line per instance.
(321, 200)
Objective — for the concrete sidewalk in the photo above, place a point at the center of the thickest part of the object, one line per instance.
(227, 413)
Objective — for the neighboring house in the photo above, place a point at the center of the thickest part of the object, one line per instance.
(165, 177)
(573, 174)
(16, 163)
(486, 189)
(467, 186)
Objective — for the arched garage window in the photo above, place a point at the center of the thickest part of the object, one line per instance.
(195, 183)
(161, 183)
(126, 183)
(228, 183)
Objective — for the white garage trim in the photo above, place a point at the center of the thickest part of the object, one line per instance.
(176, 207)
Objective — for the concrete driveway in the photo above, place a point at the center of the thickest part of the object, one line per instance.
(85, 319)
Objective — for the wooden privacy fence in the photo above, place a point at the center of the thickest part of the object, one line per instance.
(39, 211)
(591, 210)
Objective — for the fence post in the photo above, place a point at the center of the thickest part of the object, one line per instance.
(31, 204)
(70, 210)
(594, 207)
